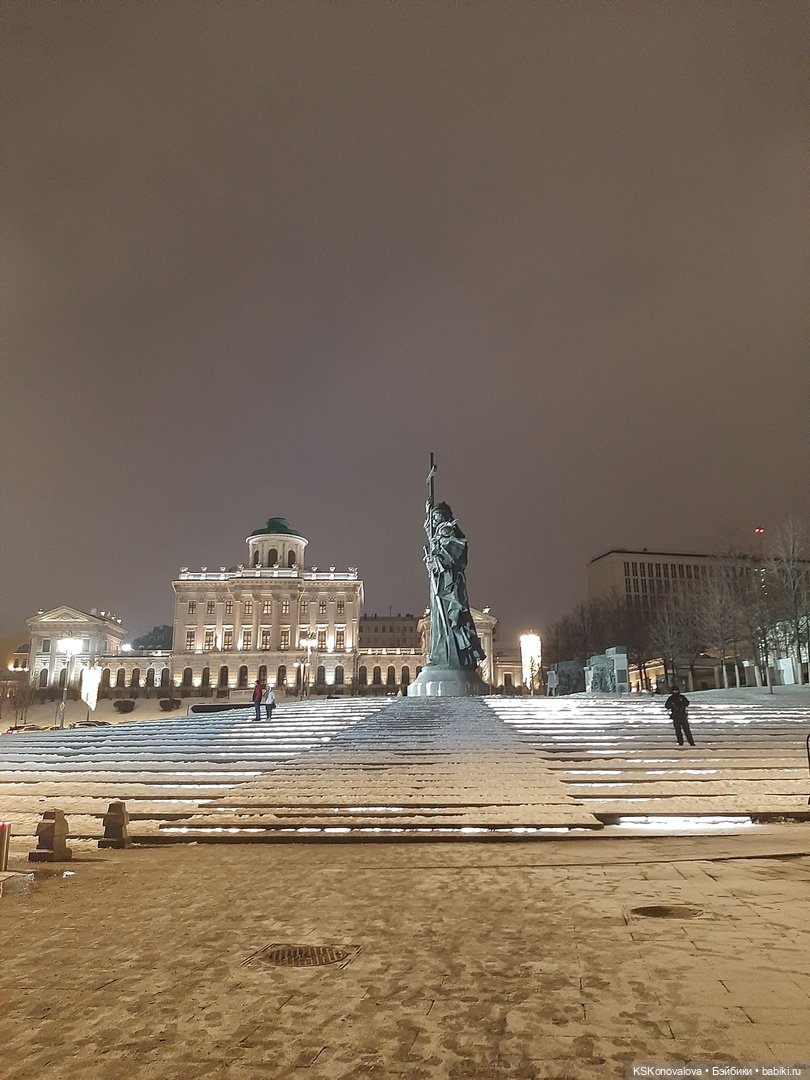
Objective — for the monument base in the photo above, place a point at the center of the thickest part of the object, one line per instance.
(434, 681)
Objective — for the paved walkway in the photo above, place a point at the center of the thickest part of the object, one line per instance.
(459, 960)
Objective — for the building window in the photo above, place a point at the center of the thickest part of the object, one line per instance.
(341, 607)
(192, 607)
(362, 676)
(243, 677)
(285, 607)
(85, 644)
(223, 676)
(208, 640)
(272, 556)
(340, 640)
(191, 640)
(281, 677)
(321, 640)
(376, 677)
(267, 607)
(304, 607)
(248, 607)
(339, 675)
(227, 639)
(285, 639)
(229, 607)
(266, 636)
(247, 639)
(321, 607)
(210, 607)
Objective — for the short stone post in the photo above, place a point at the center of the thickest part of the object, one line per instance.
(116, 831)
(52, 833)
(5, 837)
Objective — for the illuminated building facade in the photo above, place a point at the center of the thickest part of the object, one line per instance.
(271, 617)
(100, 633)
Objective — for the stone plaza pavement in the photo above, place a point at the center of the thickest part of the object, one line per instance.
(458, 959)
(459, 948)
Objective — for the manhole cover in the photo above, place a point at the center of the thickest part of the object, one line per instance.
(304, 955)
(668, 911)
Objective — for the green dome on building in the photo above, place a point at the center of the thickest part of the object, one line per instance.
(277, 526)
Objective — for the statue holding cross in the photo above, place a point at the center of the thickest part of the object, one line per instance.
(455, 648)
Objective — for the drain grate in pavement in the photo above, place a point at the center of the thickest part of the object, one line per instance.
(278, 955)
(668, 911)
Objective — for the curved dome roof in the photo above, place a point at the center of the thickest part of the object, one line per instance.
(277, 526)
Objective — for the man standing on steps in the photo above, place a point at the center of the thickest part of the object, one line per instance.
(677, 705)
(258, 697)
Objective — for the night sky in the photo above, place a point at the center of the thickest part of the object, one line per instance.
(261, 258)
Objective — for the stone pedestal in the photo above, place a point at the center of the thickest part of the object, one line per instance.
(116, 827)
(435, 681)
(52, 834)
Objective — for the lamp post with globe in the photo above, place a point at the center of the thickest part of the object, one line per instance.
(70, 647)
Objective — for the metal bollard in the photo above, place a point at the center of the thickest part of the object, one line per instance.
(5, 837)
(52, 833)
(116, 831)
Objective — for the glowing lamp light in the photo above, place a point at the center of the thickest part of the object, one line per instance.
(69, 645)
(530, 658)
(126, 648)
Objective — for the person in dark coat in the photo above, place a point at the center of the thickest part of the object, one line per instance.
(258, 697)
(677, 705)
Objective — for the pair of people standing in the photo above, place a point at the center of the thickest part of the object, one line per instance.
(263, 695)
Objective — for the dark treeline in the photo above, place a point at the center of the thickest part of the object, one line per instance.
(744, 608)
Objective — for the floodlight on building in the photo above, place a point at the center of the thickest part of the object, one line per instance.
(126, 648)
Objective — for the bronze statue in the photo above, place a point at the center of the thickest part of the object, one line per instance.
(454, 642)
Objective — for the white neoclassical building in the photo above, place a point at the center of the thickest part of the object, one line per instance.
(99, 634)
(271, 617)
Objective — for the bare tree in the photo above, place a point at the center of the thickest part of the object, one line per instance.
(717, 613)
(665, 635)
(789, 570)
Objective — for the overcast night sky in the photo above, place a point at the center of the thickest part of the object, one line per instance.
(261, 258)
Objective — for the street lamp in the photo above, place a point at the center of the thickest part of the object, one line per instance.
(70, 647)
(309, 644)
(530, 659)
(759, 532)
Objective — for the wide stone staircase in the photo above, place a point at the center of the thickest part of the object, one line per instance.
(414, 769)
